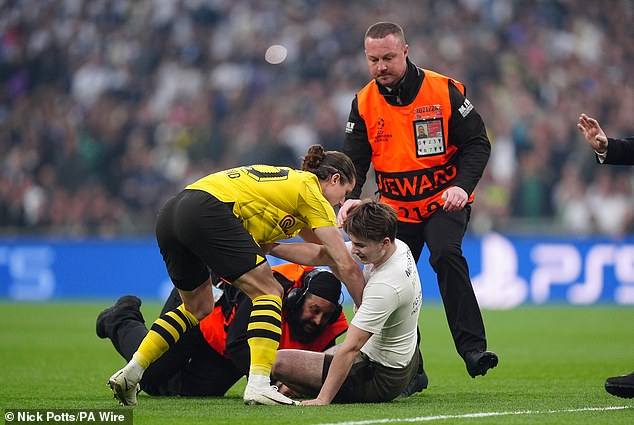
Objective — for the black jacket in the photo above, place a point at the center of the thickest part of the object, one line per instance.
(620, 151)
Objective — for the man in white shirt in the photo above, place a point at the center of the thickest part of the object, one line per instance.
(379, 355)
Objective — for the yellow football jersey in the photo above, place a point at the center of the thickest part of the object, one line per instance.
(273, 203)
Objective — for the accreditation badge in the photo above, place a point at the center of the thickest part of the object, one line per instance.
(429, 137)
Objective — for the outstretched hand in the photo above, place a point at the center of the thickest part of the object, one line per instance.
(593, 133)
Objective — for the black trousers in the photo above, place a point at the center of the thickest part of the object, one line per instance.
(189, 368)
(443, 233)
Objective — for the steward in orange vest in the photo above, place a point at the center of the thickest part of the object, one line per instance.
(414, 154)
(429, 148)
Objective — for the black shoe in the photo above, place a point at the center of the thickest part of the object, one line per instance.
(416, 385)
(621, 386)
(479, 362)
(125, 302)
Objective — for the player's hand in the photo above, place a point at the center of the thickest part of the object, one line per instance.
(343, 211)
(313, 402)
(455, 199)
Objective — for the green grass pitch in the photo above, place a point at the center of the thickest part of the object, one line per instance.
(553, 363)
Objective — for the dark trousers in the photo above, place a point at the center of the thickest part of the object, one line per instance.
(189, 368)
(443, 233)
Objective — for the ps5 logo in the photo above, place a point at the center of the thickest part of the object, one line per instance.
(30, 271)
(552, 267)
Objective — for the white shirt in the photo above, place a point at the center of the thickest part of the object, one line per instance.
(389, 309)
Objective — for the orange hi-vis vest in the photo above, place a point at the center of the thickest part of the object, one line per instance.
(214, 327)
(411, 154)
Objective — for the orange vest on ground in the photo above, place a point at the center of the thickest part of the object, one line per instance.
(411, 154)
(214, 327)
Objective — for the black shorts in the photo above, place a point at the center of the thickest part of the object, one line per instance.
(197, 233)
(371, 382)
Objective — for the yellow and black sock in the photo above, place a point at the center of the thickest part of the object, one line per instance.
(264, 332)
(164, 333)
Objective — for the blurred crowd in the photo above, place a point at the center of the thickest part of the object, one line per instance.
(107, 107)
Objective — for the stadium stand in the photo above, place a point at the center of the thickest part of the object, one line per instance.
(107, 106)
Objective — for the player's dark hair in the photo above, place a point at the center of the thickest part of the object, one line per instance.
(326, 163)
(371, 220)
(383, 29)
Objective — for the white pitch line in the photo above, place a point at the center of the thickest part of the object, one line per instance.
(476, 415)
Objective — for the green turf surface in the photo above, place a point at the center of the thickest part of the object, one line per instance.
(553, 363)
